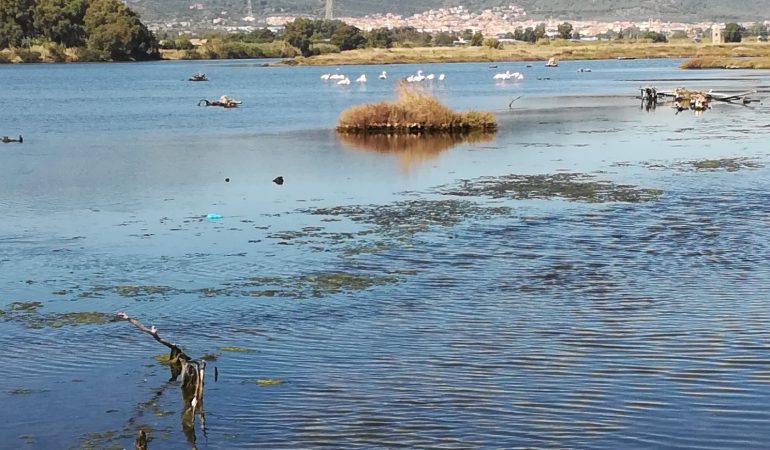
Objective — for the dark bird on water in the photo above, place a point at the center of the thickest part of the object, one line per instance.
(278, 180)
(6, 140)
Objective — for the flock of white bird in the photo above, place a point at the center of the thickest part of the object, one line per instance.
(508, 75)
(417, 77)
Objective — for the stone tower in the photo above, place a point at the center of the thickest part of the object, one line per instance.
(716, 34)
(329, 9)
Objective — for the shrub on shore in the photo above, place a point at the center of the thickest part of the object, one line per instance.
(413, 111)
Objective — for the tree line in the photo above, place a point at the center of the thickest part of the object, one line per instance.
(100, 29)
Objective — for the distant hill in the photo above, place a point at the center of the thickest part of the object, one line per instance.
(674, 10)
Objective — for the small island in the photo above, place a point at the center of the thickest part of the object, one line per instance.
(414, 111)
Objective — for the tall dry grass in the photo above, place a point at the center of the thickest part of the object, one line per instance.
(414, 110)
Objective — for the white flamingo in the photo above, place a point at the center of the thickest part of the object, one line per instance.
(430, 77)
(441, 77)
(326, 76)
(419, 76)
(502, 76)
(383, 75)
(410, 79)
(337, 76)
(344, 81)
(361, 79)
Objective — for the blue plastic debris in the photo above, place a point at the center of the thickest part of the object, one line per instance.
(213, 216)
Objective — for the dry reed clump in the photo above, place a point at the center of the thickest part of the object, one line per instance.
(726, 63)
(413, 111)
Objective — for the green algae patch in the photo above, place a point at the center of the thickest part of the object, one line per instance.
(27, 313)
(26, 391)
(406, 218)
(25, 306)
(726, 164)
(163, 358)
(706, 165)
(29, 439)
(264, 382)
(212, 292)
(316, 285)
(235, 349)
(567, 186)
(137, 290)
(329, 283)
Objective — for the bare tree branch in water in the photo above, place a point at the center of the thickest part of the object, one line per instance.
(193, 373)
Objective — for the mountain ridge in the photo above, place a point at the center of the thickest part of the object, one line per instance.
(636, 10)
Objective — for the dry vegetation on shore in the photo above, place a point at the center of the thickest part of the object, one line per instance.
(714, 62)
(563, 50)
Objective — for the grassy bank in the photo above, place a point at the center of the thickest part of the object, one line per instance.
(563, 50)
(414, 111)
(727, 63)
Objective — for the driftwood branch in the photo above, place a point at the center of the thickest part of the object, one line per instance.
(175, 349)
(193, 373)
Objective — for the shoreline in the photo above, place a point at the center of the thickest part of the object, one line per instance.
(747, 55)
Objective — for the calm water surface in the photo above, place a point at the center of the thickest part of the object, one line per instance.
(393, 314)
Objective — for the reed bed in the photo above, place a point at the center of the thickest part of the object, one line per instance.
(413, 111)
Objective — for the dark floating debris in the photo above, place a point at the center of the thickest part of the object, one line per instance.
(227, 180)
(7, 140)
(224, 101)
(198, 77)
(697, 101)
(278, 180)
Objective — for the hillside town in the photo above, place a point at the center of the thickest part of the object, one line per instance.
(497, 22)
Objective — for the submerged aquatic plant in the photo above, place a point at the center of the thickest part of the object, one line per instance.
(568, 186)
(413, 111)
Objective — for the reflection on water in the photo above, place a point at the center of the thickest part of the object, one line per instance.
(412, 149)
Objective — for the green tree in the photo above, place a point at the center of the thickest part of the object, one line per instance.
(298, 34)
(733, 32)
(477, 39)
(655, 37)
(348, 37)
(15, 21)
(115, 31)
(539, 31)
(565, 30)
(528, 35)
(443, 39)
(61, 21)
(379, 38)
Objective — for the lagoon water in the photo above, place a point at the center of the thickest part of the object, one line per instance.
(377, 299)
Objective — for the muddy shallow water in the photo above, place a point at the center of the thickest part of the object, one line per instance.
(593, 276)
